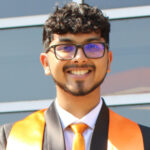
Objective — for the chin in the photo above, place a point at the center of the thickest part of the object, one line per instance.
(80, 86)
(79, 92)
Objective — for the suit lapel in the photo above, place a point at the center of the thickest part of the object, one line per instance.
(100, 134)
(54, 131)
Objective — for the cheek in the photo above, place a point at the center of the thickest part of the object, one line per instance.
(56, 67)
(101, 68)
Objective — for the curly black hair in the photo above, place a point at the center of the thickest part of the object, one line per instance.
(75, 18)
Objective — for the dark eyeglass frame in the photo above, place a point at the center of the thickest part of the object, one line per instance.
(77, 46)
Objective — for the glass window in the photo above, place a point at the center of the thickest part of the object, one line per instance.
(14, 8)
(130, 44)
(103, 4)
(17, 8)
(21, 74)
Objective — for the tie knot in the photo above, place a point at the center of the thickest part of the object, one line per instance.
(78, 128)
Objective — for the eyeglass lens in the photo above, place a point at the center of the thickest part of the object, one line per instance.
(65, 51)
(94, 50)
(91, 50)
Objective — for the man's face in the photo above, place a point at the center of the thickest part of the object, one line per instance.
(81, 75)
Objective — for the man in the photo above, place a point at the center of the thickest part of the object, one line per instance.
(77, 56)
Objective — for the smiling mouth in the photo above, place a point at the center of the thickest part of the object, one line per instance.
(79, 72)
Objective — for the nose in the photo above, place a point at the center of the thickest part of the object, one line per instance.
(80, 56)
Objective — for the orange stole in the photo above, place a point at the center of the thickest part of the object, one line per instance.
(27, 134)
(124, 134)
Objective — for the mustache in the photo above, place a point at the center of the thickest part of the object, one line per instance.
(78, 66)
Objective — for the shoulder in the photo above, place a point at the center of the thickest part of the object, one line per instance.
(4, 133)
(146, 136)
(33, 118)
(128, 131)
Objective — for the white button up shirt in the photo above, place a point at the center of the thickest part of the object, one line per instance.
(67, 119)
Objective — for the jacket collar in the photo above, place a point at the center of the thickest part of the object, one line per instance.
(55, 136)
(100, 134)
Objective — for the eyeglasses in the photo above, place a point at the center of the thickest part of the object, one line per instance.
(69, 51)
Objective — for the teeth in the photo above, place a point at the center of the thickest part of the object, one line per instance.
(79, 72)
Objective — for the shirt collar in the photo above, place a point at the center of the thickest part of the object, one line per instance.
(67, 118)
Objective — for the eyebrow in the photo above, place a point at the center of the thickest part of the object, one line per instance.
(65, 40)
(87, 40)
(93, 39)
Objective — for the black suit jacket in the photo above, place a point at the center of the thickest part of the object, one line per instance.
(54, 137)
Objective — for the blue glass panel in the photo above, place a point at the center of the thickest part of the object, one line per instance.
(14, 8)
(130, 44)
(21, 73)
(22, 76)
(106, 4)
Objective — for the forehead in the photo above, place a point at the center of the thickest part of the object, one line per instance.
(77, 38)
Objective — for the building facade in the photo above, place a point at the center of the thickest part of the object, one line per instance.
(23, 85)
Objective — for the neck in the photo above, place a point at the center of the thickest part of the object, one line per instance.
(78, 106)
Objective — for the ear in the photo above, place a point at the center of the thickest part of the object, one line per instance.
(44, 62)
(110, 57)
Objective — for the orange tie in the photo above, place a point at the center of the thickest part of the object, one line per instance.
(78, 142)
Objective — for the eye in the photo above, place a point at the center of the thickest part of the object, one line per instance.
(65, 48)
(92, 47)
